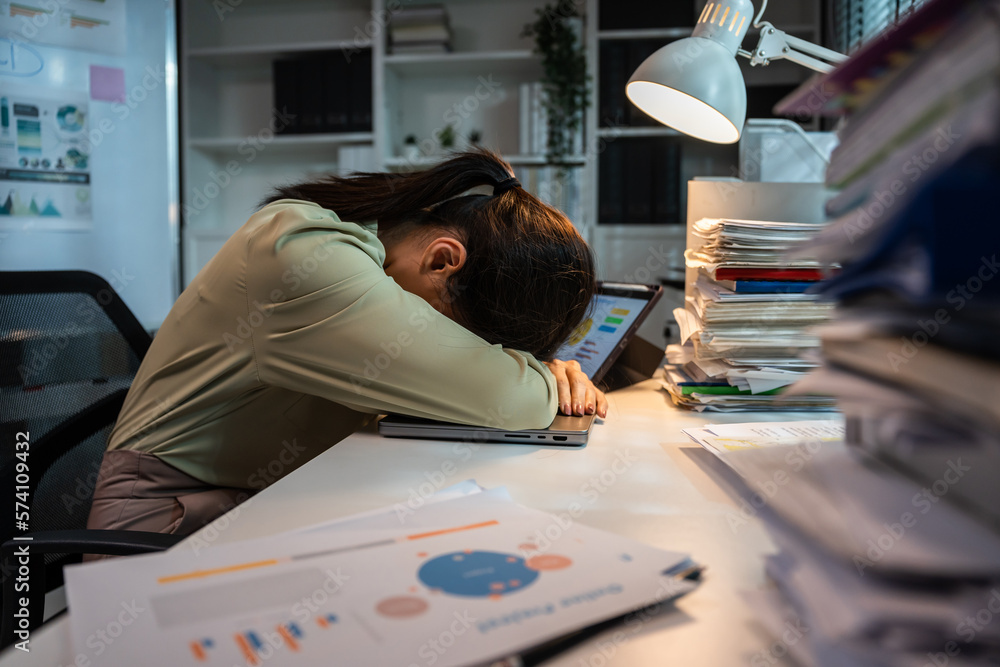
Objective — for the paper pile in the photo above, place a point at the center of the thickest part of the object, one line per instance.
(743, 327)
(879, 569)
(891, 544)
(467, 578)
(422, 29)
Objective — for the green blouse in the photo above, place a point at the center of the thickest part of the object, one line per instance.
(290, 337)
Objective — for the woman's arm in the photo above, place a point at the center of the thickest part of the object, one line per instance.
(334, 325)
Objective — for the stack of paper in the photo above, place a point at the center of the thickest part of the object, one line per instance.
(720, 439)
(891, 544)
(745, 320)
(422, 29)
(912, 356)
(467, 578)
(873, 567)
(917, 106)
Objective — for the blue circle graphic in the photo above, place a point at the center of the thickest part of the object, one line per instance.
(476, 573)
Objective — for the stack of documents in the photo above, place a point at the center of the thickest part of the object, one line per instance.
(912, 355)
(745, 320)
(890, 544)
(423, 29)
(917, 105)
(877, 568)
(873, 568)
(467, 578)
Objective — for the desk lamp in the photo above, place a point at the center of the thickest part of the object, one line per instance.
(695, 85)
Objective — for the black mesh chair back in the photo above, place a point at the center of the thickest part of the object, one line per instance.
(69, 349)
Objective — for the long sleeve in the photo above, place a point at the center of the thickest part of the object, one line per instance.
(293, 332)
(336, 326)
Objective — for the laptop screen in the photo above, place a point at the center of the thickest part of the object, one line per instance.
(614, 313)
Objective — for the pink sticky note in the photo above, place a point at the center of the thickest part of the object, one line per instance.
(107, 83)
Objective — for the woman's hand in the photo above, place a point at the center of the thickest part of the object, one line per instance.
(577, 394)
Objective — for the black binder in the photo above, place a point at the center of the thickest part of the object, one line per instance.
(337, 94)
(638, 181)
(360, 74)
(310, 94)
(286, 101)
(611, 197)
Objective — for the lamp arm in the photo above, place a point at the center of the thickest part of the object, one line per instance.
(756, 21)
(776, 44)
(810, 49)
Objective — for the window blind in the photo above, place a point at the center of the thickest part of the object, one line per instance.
(858, 21)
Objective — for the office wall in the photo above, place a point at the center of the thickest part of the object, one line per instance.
(131, 236)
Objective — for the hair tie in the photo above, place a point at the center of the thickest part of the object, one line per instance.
(505, 185)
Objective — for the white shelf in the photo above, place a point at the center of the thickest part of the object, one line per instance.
(255, 56)
(398, 162)
(530, 160)
(614, 132)
(679, 33)
(648, 33)
(520, 63)
(298, 144)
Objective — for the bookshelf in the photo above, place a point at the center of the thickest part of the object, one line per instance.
(232, 156)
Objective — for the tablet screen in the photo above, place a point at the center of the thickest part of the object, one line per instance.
(611, 317)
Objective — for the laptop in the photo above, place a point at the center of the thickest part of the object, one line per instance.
(615, 314)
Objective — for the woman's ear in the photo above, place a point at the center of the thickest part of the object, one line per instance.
(442, 257)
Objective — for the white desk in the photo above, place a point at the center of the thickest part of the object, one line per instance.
(667, 492)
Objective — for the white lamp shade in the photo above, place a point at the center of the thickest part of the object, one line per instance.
(695, 86)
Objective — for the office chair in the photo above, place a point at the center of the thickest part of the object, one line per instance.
(69, 350)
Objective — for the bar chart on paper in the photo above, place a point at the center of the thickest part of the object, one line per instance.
(596, 337)
(373, 592)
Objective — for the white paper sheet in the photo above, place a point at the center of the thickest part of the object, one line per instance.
(721, 438)
(466, 580)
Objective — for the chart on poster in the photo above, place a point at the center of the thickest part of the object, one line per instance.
(91, 25)
(44, 155)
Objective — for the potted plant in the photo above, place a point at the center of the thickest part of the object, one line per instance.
(475, 137)
(557, 31)
(411, 151)
(446, 137)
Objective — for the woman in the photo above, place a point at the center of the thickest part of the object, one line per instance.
(433, 294)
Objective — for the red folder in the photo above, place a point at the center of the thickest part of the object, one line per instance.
(750, 273)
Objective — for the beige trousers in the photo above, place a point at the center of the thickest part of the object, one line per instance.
(137, 491)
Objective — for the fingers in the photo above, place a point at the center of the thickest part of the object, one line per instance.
(590, 404)
(562, 386)
(580, 384)
(577, 395)
(602, 404)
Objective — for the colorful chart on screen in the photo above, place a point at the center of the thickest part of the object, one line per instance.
(596, 338)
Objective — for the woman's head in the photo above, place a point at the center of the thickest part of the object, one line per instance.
(526, 277)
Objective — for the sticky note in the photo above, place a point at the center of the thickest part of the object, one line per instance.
(107, 83)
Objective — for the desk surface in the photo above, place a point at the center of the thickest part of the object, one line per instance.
(639, 477)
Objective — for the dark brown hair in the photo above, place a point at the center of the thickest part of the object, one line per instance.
(529, 276)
